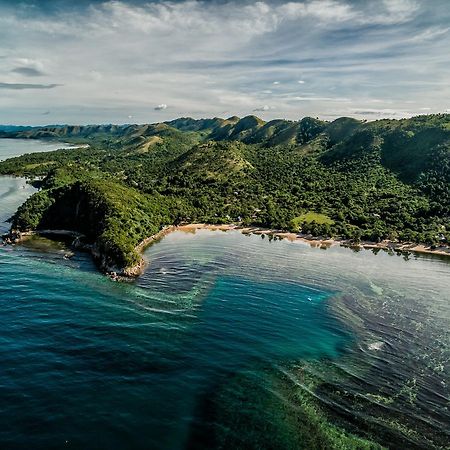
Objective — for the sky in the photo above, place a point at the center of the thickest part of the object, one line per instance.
(150, 61)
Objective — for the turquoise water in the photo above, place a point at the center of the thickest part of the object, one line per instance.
(127, 366)
(218, 344)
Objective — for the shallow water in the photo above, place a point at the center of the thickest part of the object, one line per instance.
(221, 344)
(389, 318)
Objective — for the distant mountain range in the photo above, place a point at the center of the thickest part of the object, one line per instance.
(405, 145)
(249, 129)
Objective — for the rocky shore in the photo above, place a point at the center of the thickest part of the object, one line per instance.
(104, 263)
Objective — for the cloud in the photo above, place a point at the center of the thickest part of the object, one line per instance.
(369, 112)
(28, 71)
(323, 10)
(384, 113)
(321, 99)
(430, 34)
(204, 57)
(398, 11)
(263, 108)
(20, 86)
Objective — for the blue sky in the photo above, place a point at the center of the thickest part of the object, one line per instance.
(130, 61)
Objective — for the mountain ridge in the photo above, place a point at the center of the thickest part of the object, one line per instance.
(387, 179)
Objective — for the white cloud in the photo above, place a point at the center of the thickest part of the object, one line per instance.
(160, 107)
(30, 63)
(400, 10)
(264, 108)
(388, 12)
(206, 57)
(383, 113)
(167, 17)
(321, 99)
(430, 34)
(323, 10)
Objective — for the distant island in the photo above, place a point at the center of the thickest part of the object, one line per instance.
(387, 180)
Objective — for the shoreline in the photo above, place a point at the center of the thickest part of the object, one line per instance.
(315, 242)
(403, 247)
(132, 272)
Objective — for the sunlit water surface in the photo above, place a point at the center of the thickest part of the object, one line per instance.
(16, 147)
(216, 345)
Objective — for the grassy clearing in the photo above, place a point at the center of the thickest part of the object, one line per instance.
(310, 217)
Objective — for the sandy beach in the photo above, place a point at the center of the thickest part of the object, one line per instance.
(407, 247)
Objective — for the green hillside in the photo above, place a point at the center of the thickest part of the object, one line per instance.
(388, 179)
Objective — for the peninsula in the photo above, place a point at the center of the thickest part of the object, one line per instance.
(380, 182)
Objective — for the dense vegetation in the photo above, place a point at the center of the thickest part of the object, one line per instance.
(388, 179)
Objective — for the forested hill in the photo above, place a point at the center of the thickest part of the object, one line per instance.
(387, 179)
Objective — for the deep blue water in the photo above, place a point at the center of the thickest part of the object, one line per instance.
(127, 366)
(196, 346)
